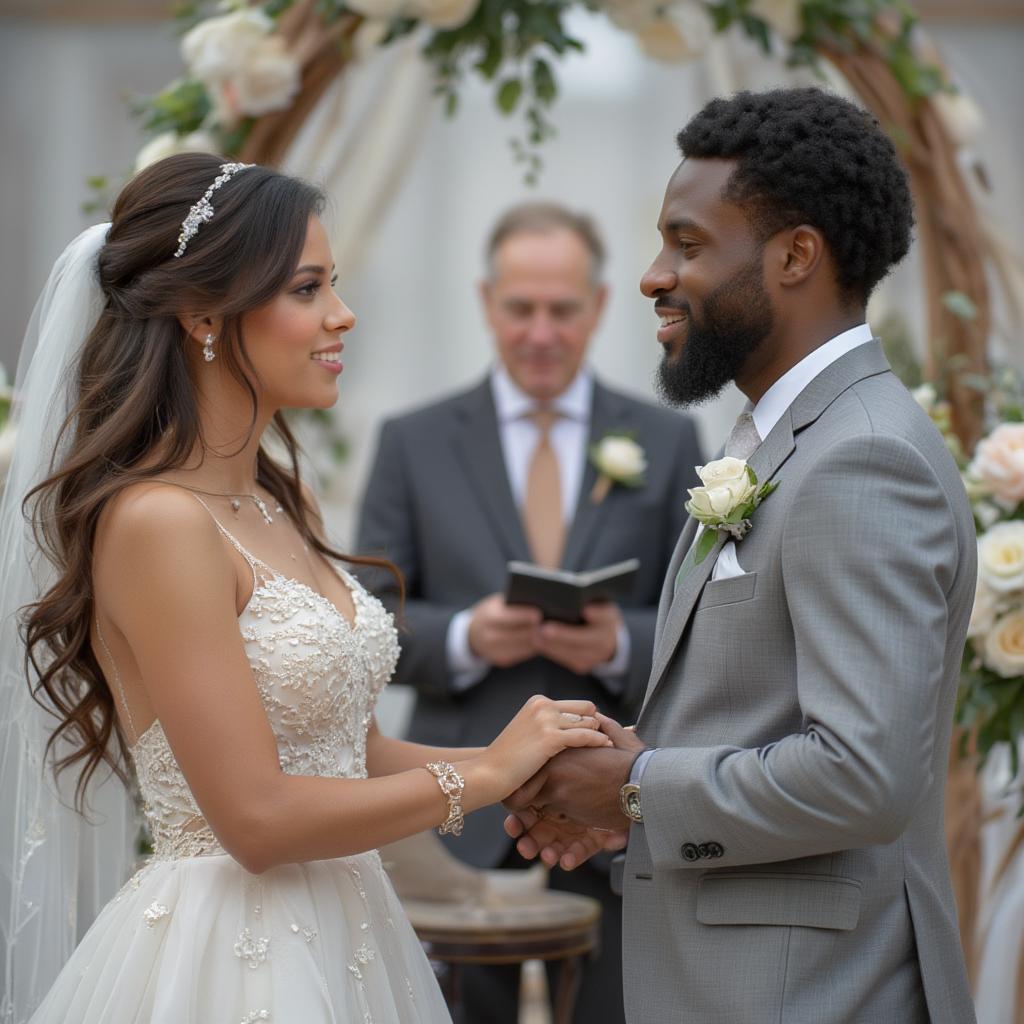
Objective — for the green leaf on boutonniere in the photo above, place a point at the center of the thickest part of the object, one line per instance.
(708, 539)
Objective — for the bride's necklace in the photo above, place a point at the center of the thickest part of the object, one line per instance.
(235, 499)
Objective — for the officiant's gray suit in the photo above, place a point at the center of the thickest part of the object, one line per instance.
(791, 866)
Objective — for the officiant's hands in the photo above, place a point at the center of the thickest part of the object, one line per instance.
(569, 810)
(582, 648)
(504, 634)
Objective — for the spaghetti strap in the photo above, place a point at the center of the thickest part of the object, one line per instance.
(255, 564)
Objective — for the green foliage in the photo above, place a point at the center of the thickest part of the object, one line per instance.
(181, 107)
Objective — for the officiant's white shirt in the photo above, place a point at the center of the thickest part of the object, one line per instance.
(519, 436)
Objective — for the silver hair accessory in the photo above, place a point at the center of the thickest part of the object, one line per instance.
(208, 354)
(202, 212)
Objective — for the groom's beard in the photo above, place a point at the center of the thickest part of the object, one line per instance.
(737, 318)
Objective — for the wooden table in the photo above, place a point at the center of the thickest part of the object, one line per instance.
(541, 925)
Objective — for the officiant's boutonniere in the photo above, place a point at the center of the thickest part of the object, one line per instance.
(726, 502)
(619, 460)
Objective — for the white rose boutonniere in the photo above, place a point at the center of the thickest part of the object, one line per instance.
(619, 460)
(726, 501)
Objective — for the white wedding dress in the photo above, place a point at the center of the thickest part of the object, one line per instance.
(193, 938)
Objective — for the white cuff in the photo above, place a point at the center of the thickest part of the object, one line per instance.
(465, 667)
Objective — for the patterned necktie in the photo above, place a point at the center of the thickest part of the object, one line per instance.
(744, 439)
(542, 507)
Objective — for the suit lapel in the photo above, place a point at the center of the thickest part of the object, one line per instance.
(866, 360)
(479, 448)
(605, 414)
(765, 462)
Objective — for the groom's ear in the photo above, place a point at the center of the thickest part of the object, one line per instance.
(797, 255)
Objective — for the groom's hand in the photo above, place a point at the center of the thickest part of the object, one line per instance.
(561, 842)
(581, 785)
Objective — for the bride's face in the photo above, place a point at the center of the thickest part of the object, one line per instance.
(295, 340)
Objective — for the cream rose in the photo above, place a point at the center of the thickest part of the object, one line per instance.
(727, 487)
(983, 613)
(926, 396)
(960, 115)
(999, 462)
(1003, 650)
(170, 143)
(620, 458)
(268, 80)
(1001, 556)
(218, 48)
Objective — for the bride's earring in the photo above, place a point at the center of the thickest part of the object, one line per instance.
(208, 354)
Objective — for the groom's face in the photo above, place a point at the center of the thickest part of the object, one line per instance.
(707, 284)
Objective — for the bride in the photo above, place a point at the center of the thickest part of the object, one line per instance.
(189, 624)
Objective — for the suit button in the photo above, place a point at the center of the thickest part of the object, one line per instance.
(703, 850)
(689, 852)
(715, 849)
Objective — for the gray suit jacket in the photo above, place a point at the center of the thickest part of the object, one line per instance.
(792, 865)
(439, 504)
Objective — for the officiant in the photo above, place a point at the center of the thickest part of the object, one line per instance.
(539, 462)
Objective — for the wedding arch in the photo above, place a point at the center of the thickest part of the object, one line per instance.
(268, 82)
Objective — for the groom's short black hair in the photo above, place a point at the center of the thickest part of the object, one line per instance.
(807, 157)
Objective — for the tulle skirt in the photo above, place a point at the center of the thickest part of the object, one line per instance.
(201, 941)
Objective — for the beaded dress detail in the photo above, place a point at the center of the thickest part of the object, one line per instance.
(194, 938)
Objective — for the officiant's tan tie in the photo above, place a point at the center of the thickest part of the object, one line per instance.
(542, 506)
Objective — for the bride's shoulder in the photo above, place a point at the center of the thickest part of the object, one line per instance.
(154, 518)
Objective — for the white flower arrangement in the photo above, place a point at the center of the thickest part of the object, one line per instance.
(619, 460)
(725, 503)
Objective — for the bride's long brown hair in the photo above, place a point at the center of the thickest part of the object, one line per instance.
(135, 415)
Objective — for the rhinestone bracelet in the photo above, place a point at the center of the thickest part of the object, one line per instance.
(452, 784)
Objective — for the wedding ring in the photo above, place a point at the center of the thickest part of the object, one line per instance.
(572, 716)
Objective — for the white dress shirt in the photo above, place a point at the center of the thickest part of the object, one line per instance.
(519, 436)
(768, 411)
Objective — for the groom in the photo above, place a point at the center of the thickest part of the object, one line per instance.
(784, 786)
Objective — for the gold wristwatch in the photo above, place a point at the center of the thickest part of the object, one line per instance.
(629, 801)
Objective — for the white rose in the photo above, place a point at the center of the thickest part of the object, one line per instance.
(170, 143)
(960, 116)
(727, 486)
(983, 613)
(268, 81)
(1001, 556)
(621, 458)
(1003, 650)
(782, 15)
(217, 48)
(926, 396)
(445, 13)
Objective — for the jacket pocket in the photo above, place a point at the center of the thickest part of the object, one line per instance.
(731, 590)
(806, 901)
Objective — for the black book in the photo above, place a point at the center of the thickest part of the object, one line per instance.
(561, 594)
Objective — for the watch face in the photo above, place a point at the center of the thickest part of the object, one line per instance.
(631, 802)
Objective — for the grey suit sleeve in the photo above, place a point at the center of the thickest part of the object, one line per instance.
(387, 527)
(869, 555)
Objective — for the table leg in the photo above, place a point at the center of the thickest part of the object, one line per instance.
(569, 978)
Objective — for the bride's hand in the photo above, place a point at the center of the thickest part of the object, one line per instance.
(541, 729)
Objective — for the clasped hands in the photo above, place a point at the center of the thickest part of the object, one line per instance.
(570, 809)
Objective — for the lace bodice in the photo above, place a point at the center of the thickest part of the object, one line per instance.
(318, 677)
